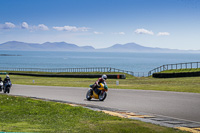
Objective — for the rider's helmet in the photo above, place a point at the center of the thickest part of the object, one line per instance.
(104, 77)
(7, 76)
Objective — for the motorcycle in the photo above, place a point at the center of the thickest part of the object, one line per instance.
(1, 85)
(98, 93)
(7, 86)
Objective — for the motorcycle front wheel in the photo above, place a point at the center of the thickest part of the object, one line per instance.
(88, 95)
(5, 90)
(102, 96)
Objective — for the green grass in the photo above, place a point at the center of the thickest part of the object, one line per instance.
(19, 114)
(187, 84)
(60, 73)
(181, 70)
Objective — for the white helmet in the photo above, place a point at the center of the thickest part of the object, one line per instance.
(104, 77)
(7, 76)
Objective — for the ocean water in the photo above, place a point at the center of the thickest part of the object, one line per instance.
(136, 62)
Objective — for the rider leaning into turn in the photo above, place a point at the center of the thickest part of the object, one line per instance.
(100, 80)
(6, 79)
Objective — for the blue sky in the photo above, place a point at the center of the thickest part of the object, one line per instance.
(102, 23)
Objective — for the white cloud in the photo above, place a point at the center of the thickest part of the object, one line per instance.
(24, 25)
(42, 27)
(71, 28)
(163, 34)
(119, 33)
(144, 31)
(95, 32)
(7, 25)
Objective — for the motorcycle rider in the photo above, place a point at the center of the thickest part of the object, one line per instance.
(6, 79)
(7, 84)
(102, 79)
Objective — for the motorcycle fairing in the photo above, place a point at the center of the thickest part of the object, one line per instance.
(97, 91)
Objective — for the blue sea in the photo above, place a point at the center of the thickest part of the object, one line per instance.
(136, 62)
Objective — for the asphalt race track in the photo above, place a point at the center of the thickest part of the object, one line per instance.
(185, 106)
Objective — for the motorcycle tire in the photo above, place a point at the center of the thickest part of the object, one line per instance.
(102, 96)
(88, 95)
(5, 90)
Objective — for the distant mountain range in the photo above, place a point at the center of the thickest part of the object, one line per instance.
(133, 47)
(63, 46)
(47, 46)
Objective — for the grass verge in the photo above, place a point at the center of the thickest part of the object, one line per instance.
(19, 114)
(186, 84)
(181, 70)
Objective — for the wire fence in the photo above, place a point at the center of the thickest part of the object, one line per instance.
(188, 65)
(92, 69)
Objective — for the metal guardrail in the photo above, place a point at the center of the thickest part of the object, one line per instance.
(188, 65)
(92, 69)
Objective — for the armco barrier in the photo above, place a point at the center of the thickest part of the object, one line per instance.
(187, 65)
(110, 76)
(74, 70)
(174, 75)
